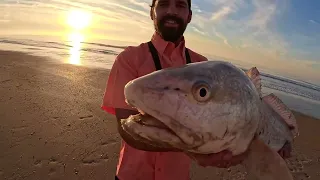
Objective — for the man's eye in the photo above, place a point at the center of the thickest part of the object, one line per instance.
(181, 5)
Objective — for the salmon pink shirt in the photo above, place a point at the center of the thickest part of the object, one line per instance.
(133, 62)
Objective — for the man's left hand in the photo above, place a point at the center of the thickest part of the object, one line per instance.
(285, 151)
(225, 159)
(222, 159)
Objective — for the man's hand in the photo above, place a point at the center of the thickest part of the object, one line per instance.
(285, 151)
(225, 159)
(222, 159)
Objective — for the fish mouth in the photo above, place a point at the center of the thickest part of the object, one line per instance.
(146, 128)
(145, 119)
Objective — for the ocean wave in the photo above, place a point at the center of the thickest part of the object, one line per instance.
(65, 46)
(291, 88)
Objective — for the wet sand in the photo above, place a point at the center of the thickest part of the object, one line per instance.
(52, 127)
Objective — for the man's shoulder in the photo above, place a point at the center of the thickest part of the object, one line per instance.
(132, 55)
(196, 57)
(133, 50)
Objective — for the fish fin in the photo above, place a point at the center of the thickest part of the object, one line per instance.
(255, 77)
(277, 105)
(263, 163)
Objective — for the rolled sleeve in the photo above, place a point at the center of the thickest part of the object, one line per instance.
(121, 73)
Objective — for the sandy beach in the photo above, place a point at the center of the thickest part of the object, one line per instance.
(52, 127)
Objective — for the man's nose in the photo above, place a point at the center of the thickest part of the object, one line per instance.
(172, 9)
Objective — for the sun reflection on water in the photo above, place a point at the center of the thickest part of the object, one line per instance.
(75, 39)
(78, 21)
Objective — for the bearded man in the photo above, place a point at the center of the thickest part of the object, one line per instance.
(141, 161)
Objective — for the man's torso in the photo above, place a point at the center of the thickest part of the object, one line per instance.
(141, 165)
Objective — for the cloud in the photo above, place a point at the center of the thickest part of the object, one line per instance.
(314, 22)
(265, 11)
(225, 40)
(144, 4)
(259, 29)
(199, 31)
(195, 8)
(221, 13)
(4, 20)
(239, 24)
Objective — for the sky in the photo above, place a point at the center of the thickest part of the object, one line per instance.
(277, 36)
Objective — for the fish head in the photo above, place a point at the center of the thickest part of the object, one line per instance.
(203, 107)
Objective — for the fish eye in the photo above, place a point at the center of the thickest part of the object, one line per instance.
(201, 91)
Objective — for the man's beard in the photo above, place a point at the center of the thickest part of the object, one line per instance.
(171, 34)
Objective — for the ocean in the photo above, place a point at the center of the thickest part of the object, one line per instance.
(300, 96)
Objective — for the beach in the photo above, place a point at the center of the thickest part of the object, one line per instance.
(52, 126)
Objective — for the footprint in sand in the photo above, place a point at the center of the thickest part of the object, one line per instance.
(89, 162)
(52, 171)
(52, 164)
(94, 160)
(104, 157)
(296, 166)
(55, 165)
(85, 117)
(234, 174)
(52, 160)
(109, 142)
(37, 163)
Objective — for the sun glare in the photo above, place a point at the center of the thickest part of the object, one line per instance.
(75, 51)
(78, 19)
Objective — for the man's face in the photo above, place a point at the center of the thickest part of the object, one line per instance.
(170, 18)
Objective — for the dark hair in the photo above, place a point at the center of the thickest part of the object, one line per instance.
(154, 1)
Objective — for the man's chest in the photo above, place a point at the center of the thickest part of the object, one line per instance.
(149, 66)
(166, 61)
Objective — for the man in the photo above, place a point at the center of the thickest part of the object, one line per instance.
(166, 49)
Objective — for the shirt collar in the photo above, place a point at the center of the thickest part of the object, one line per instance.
(165, 47)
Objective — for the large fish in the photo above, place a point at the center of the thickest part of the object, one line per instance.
(208, 107)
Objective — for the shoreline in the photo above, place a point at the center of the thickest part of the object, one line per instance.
(52, 126)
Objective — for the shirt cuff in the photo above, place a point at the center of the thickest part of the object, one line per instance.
(109, 110)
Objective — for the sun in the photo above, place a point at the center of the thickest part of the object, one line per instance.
(78, 19)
